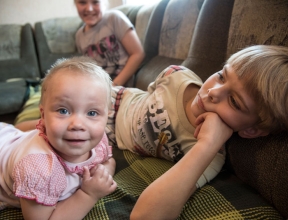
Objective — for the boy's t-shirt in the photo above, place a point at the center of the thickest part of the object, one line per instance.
(154, 123)
(103, 41)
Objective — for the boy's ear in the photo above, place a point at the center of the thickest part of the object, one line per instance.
(252, 132)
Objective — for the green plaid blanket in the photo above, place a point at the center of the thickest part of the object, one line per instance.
(225, 197)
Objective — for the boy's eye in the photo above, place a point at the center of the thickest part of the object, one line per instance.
(92, 113)
(221, 76)
(63, 111)
(234, 103)
(81, 2)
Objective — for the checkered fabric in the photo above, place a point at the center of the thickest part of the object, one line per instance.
(225, 197)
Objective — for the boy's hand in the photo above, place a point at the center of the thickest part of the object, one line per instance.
(97, 182)
(211, 128)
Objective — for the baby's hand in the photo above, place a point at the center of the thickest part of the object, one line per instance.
(211, 128)
(97, 182)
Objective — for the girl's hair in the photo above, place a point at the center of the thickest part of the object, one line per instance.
(83, 64)
(263, 70)
(105, 4)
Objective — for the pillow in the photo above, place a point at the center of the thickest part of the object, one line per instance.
(60, 33)
(30, 110)
(263, 164)
(12, 96)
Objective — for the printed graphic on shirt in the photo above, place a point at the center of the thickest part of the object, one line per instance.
(172, 69)
(106, 53)
(155, 132)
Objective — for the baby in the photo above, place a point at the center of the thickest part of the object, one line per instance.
(62, 168)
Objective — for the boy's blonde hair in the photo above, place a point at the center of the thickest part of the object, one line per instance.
(83, 64)
(263, 70)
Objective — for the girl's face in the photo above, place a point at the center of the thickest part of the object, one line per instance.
(90, 11)
(223, 93)
(74, 112)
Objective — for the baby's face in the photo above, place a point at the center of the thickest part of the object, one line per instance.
(223, 93)
(74, 112)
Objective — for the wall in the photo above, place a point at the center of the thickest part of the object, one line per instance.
(31, 11)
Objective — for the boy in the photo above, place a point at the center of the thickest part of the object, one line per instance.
(248, 96)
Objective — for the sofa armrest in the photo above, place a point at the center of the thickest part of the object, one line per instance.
(262, 163)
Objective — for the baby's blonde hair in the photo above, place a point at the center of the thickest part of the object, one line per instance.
(82, 64)
(263, 70)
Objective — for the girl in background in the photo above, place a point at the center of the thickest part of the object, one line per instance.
(110, 38)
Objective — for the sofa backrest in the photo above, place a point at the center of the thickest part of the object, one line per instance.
(170, 45)
(257, 22)
(55, 38)
(142, 20)
(10, 39)
(208, 48)
(60, 34)
(177, 28)
(18, 57)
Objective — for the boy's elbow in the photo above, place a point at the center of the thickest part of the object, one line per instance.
(137, 215)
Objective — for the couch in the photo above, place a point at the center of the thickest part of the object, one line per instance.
(201, 35)
(18, 68)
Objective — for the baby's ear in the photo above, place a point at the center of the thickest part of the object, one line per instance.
(252, 132)
(41, 111)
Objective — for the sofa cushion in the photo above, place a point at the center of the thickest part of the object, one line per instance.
(10, 41)
(18, 60)
(177, 30)
(141, 23)
(207, 52)
(60, 33)
(168, 39)
(12, 96)
(263, 164)
(152, 69)
(17, 52)
(49, 42)
(267, 26)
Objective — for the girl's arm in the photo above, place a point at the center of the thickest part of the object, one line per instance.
(166, 196)
(95, 185)
(133, 47)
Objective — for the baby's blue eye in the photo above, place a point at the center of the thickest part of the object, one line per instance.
(63, 111)
(92, 113)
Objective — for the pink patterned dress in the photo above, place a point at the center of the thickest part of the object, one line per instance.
(30, 168)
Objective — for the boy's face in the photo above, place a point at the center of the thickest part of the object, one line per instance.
(223, 93)
(90, 11)
(74, 112)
